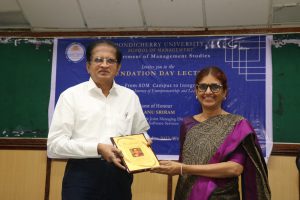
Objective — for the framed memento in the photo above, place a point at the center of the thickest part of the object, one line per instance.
(137, 155)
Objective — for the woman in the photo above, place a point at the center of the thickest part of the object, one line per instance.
(216, 148)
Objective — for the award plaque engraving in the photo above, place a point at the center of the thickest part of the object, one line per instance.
(137, 155)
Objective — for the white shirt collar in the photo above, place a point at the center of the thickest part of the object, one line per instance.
(92, 86)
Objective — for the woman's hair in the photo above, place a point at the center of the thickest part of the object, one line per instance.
(215, 72)
(93, 45)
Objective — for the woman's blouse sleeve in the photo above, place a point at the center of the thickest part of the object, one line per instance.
(238, 156)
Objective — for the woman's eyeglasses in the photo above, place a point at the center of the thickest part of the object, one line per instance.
(214, 87)
(109, 61)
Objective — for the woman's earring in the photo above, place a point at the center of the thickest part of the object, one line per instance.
(224, 98)
(196, 97)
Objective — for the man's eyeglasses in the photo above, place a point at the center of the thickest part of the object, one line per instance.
(109, 61)
(214, 87)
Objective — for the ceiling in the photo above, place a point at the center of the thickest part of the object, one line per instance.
(147, 15)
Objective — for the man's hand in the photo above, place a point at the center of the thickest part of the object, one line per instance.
(110, 154)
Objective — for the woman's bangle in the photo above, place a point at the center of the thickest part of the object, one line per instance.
(181, 170)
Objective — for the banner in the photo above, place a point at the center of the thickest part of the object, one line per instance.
(162, 71)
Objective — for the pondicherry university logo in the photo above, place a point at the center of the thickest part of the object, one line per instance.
(75, 52)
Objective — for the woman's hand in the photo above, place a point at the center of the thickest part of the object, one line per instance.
(149, 142)
(168, 167)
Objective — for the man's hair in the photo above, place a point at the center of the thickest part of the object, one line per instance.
(94, 44)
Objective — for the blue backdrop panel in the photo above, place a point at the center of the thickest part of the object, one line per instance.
(162, 70)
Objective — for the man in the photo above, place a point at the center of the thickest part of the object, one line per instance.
(85, 118)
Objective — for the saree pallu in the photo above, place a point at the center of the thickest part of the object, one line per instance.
(214, 141)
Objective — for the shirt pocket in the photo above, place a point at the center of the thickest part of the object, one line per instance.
(123, 124)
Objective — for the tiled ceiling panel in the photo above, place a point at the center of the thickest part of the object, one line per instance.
(237, 12)
(173, 13)
(13, 19)
(285, 2)
(289, 14)
(111, 13)
(52, 13)
(11, 15)
(9, 5)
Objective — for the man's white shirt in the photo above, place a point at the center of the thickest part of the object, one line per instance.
(84, 117)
